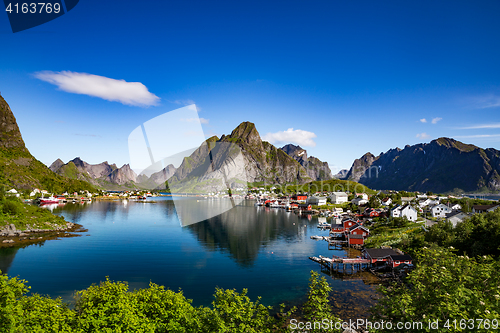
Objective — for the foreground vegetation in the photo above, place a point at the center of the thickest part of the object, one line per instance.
(110, 307)
(456, 282)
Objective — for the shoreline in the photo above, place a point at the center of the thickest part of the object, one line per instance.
(12, 237)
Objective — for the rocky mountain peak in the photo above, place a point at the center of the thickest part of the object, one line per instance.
(10, 135)
(247, 132)
(452, 143)
(56, 165)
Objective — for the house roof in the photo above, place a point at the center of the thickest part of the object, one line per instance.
(304, 205)
(484, 207)
(400, 257)
(358, 226)
(455, 213)
(380, 253)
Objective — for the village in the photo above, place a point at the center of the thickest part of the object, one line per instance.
(348, 217)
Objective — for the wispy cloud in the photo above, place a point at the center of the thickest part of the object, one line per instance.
(186, 102)
(423, 136)
(300, 137)
(435, 120)
(492, 125)
(201, 120)
(485, 101)
(478, 136)
(423, 120)
(129, 93)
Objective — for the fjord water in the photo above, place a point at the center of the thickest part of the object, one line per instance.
(264, 250)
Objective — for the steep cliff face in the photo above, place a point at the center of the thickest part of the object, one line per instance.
(18, 168)
(359, 167)
(263, 161)
(316, 169)
(10, 135)
(443, 165)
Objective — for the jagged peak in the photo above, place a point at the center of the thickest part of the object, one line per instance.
(244, 130)
(291, 146)
(452, 143)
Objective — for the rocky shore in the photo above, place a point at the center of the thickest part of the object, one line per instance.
(10, 235)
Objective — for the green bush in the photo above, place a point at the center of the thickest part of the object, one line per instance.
(10, 207)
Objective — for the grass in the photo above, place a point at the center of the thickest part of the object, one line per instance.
(26, 216)
(383, 235)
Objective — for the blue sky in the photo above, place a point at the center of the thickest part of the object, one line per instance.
(347, 76)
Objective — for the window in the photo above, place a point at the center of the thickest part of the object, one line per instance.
(397, 262)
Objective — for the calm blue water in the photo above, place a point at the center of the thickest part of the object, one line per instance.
(264, 250)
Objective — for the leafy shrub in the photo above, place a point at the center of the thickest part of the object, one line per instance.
(10, 207)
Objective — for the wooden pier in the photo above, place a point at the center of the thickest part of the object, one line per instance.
(342, 264)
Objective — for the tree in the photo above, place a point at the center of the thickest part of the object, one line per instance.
(318, 308)
(11, 312)
(444, 287)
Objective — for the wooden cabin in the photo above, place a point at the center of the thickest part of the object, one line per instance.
(396, 260)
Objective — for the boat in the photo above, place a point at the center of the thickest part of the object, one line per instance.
(49, 200)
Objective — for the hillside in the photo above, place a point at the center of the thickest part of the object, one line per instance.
(443, 165)
(19, 169)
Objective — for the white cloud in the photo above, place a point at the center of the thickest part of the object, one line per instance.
(423, 120)
(201, 120)
(423, 136)
(300, 137)
(129, 93)
(492, 125)
(435, 120)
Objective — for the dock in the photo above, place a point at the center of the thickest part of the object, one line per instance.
(343, 264)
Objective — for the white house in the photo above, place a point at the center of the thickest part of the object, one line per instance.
(428, 202)
(318, 201)
(359, 201)
(405, 211)
(386, 201)
(13, 192)
(440, 210)
(362, 195)
(338, 197)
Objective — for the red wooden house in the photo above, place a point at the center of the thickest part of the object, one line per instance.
(378, 256)
(354, 239)
(370, 212)
(299, 197)
(396, 260)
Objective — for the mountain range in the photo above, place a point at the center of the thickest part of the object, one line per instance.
(444, 165)
(259, 161)
(109, 176)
